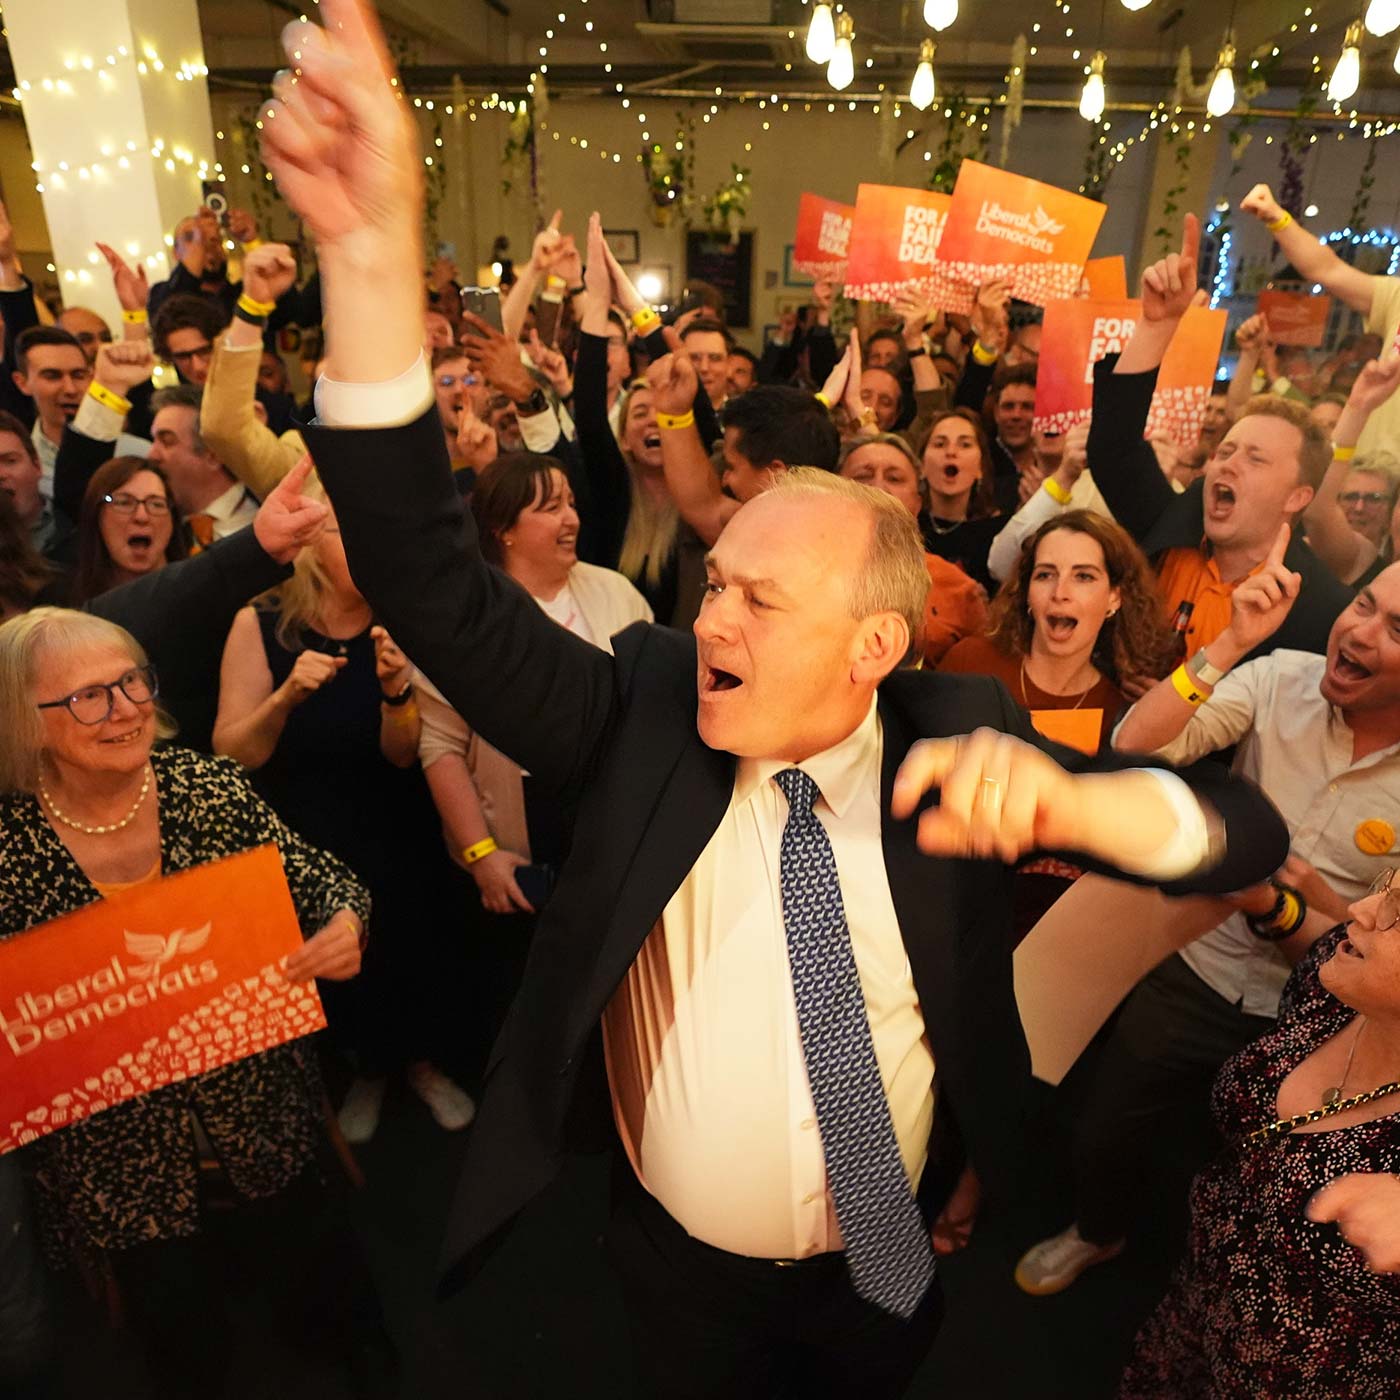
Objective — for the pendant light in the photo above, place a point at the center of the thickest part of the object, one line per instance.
(821, 33)
(1221, 98)
(921, 90)
(1382, 16)
(1346, 76)
(1091, 100)
(842, 67)
(939, 14)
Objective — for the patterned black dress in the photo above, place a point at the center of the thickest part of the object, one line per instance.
(1267, 1303)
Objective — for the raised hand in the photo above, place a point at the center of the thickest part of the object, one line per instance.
(1261, 203)
(1169, 285)
(1252, 335)
(123, 364)
(547, 240)
(991, 314)
(915, 313)
(242, 226)
(269, 271)
(495, 357)
(624, 291)
(131, 285)
(851, 394)
(477, 447)
(673, 380)
(333, 953)
(551, 363)
(1376, 382)
(597, 274)
(1074, 456)
(1261, 601)
(288, 521)
(834, 390)
(391, 666)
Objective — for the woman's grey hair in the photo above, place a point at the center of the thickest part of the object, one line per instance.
(24, 642)
(893, 577)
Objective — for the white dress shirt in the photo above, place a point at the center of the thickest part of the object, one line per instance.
(1298, 749)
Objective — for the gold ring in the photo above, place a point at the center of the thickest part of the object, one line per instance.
(989, 793)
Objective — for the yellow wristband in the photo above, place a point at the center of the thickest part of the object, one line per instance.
(1343, 454)
(405, 714)
(676, 420)
(983, 355)
(822, 399)
(645, 320)
(1055, 491)
(108, 399)
(135, 318)
(483, 848)
(1186, 687)
(256, 308)
(1281, 222)
(251, 244)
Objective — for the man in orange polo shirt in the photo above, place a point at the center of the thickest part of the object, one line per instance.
(1220, 529)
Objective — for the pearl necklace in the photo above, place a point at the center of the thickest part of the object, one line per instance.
(98, 830)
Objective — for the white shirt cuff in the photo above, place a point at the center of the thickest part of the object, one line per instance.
(384, 405)
(539, 431)
(1186, 849)
(96, 420)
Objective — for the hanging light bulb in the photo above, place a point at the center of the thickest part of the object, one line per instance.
(1395, 63)
(821, 33)
(1091, 100)
(921, 90)
(1221, 97)
(1382, 16)
(842, 67)
(1136, 4)
(939, 14)
(1346, 76)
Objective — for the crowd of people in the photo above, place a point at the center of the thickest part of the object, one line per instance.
(593, 684)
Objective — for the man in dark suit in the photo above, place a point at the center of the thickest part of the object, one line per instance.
(776, 968)
(1260, 476)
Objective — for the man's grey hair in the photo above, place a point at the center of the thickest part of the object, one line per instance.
(181, 396)
(893, 577)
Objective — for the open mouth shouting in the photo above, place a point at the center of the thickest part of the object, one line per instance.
(652, 440)
(1059, 627)
(1347, 949)
(716, 681)
(140, 543)
(1350, 669)
(1220, 500)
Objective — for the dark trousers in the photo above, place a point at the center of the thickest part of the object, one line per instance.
(25, 1324)
(289, 1264)
(1151, 1086)
(709, 1325)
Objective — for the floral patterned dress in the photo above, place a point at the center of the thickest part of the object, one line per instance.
(1267, 1303)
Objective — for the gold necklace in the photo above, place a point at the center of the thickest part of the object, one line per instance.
(1025, 699)
(1333, 1095)
(107, 830)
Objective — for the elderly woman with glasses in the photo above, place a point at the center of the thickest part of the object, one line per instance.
(93, 805)
(1274, 1296)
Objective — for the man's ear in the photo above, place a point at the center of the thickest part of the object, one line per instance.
(884, 643)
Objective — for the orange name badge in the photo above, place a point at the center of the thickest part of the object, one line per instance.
(1037, 236)
(156, 984)
(894, 238)
(1075, 729)
(1296, 318)
(823, 239)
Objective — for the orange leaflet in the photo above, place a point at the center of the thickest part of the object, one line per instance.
(1034, 235)
(1296, 318)
(1075, 729)
(1077, 333)
(823, 237)
(894, 238)
(1105, 279)
(154, 984)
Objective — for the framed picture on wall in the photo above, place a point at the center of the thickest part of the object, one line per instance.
(791, 276)
(625, 245)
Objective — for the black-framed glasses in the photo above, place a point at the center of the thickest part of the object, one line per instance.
(185, 357)
(93, 703)
(125, 504)
(1370, 498)
(1388, 910)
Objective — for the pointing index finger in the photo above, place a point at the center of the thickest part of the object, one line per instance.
(1191, 239)
(1281, 542)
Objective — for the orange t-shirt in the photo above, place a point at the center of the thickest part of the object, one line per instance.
(1192, 576)
(956, 607)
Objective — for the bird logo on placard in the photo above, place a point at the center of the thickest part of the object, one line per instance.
(1041, 222)
(155, 951)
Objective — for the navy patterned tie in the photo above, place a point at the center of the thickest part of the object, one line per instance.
(887, 1244)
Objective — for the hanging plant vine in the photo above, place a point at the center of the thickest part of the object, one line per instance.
(1361, 205)
(1167, 232)
(962, 139)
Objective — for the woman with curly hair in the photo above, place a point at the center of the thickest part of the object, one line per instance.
(1078, 614)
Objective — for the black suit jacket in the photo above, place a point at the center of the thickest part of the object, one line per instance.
(1142, 501)
(616, 737)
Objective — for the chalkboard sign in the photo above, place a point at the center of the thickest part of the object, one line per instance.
(712, 258)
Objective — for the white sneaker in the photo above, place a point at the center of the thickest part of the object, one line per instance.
(450, 1106)
(1054, 1264)
(359, 1114)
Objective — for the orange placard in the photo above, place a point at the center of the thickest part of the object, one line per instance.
(1296, 318)
(156, 984)
(1036, 236)
(1105, 279)
(823, 238)
(894, 236)
(1076, 334)
(1075, 729)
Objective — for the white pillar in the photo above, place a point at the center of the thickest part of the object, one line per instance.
(115, 102)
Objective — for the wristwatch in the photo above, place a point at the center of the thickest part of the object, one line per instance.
(536, 403)
(1203, 671)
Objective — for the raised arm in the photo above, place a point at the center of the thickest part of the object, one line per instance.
(343, 150)
(1344, 551)
(1315, 261)
(1252, 338)
(690, 478)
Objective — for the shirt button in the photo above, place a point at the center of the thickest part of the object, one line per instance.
(808, 1123)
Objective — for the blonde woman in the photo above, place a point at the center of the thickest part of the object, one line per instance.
(318, 703)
